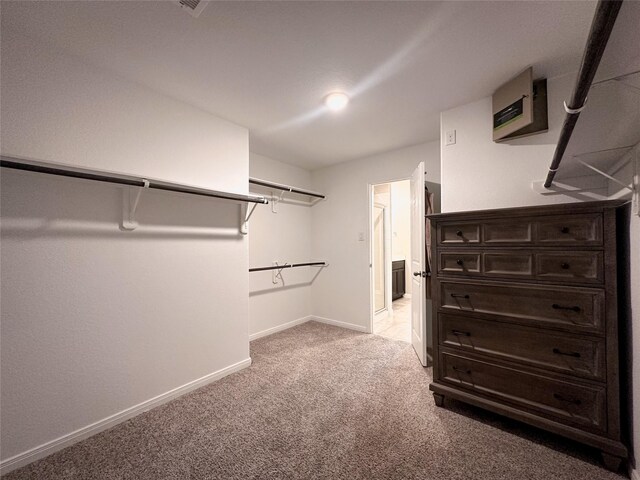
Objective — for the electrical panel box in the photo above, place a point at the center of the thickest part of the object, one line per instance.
(520, 107)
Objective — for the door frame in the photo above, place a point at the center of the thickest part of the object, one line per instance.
(372, 307)
(387, 256)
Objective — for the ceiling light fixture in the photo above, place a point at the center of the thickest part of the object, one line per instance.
(336, 101)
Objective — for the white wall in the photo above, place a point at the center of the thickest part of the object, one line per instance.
(478, 173)
(630, 167)
(634, 243)
(622, 56)
(96, 320)
(60, 110)
(284, 236)
(401, 226)
(341, 293)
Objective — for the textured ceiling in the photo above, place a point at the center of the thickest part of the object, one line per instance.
(267, 65)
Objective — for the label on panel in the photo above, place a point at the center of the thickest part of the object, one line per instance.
(512, 105)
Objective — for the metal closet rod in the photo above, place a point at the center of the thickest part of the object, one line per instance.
(293, 265)
(279, 186)
(17, 164)
(601, 27)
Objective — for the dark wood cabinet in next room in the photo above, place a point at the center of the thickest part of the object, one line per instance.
(529, 305)
(397, 279)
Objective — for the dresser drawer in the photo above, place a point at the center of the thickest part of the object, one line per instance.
(572, 402)
(459, 262)
(508, 264)
(583, 356)
(536, 230)
(490, 233)
(458, 233)
(552, 266)
(512, 231)
(489, 264)
(569, 230)
(574, 266)
(581, 309)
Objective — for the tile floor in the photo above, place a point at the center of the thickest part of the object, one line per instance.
(398, 325)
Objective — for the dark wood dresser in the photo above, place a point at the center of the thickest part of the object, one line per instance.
(528, 314)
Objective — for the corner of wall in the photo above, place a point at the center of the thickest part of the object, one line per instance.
(277, 303)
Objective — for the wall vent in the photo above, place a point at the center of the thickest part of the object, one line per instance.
(194, 7)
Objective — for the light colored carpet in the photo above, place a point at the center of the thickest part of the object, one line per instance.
(321, 402)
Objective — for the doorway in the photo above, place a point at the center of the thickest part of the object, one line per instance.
(391, 259)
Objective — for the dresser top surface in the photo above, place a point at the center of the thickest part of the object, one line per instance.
(556, 209)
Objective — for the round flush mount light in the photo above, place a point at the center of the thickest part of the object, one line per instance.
(336, 101)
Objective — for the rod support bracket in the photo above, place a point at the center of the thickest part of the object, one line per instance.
(277, 274)
(573, 111)
(605, 174)
(130, 200)
(246, 215)
(275, 200)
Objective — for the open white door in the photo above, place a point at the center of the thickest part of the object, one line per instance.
(418, 294)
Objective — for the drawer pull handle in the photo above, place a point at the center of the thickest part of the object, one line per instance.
(462, 370)
(555, 306)
(568, 354)
(564, 265)
(459, 233)
(458, 333)
(564, 229)
(459, 295)
(459, 261)
(575, 401)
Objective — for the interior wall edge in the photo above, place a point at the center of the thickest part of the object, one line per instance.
(279, 328)
(478, 173)
(341, 227)
(76, 436)
(340, 323)
(279, 232)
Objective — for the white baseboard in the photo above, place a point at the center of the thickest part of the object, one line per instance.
(338, 323)
(53, 446)
(279, 328)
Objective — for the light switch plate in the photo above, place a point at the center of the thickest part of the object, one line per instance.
(450, 137)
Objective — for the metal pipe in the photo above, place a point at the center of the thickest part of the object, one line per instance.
(264, 183)
(601, 27)
(16, 164)
(294, 265)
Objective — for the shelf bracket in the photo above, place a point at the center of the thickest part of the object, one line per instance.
(246, 215)
(130, 201)
(277, 274)
(634, 187)
(604, 174)
(275, 200)
(587, 184)
(558, 188)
